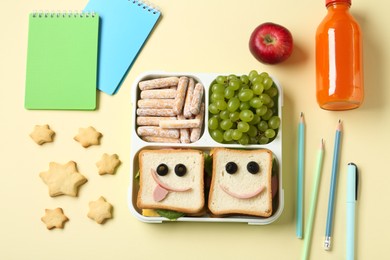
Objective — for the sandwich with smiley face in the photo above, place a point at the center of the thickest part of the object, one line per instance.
(171, 179)
(241, 182)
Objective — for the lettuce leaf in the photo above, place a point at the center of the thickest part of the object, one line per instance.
(169, 214)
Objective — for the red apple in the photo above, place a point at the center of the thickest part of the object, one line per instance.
(271, 43)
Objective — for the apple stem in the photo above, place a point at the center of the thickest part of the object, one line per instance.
(268, 39)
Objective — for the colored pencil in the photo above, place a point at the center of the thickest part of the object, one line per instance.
(332, 192)
(301, 157)
(313, 203)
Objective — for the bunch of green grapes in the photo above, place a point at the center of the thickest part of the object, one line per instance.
(243, 109)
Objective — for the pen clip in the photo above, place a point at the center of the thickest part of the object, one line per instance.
(356, 179)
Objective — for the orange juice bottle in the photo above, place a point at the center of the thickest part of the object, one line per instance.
(339, 64)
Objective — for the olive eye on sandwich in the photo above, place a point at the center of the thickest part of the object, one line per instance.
(253, 167)
(180, 169)
(162, 169)
(231, 167)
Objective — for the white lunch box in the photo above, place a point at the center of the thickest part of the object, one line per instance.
(205, 143)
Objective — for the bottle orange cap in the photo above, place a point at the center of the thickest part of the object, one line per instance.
(328, 2)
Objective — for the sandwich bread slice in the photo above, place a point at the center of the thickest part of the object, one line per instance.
(241, 182)
(171, 179)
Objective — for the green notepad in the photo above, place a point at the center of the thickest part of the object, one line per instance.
(62, 61)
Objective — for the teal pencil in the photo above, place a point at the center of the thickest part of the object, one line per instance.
(313, 203)
(301, 156)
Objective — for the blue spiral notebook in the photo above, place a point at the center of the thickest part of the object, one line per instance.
(124, 27)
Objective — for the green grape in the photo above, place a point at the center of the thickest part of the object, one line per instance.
(224, 114)
(229, 93)
(243, 109)
(263, 140)
(271, 104)
(213, 123)
(236, 134)
(217, 88)
(244, 106)
(258, 88)
(264, 74)
(245, 86)
(265, 98)
(244, 79)
(269, 133)
(221, 79)
(252, 74)
(274, 122)
(256, 119)
(232, 77)
(256, 102)
(261, 110)
(257, 79)
(262, 126)
(272, 91)
(246, 115)
(253, 140)
(233, 104)
(227, 136)
(226, 124)
(267, 115)
(234, 116)
(221, 104)
(217, 135)
(243, 127)
(252, 132)
(244, 140)
(213, 109)
(217, 96)
(235, 84)
(245, 95)
(267, 82)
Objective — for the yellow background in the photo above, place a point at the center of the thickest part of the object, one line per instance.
(197, 36)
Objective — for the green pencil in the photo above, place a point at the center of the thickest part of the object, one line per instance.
(314, 195)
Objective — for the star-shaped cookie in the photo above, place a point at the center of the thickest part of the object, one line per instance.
(54, 218)
(42, 134)
(100, 210)
(63, 179)
(88, 136)
(108, 164)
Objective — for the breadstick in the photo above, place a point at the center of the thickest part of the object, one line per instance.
(176, 124)
(155, 103)
(196, 99)
(157, 131)
(184, 132)
(180, 95)
(152, 120)
(155, 112)
(158, 93)
(187, 102)
(156, 139)
(195, 133)
(158, 83)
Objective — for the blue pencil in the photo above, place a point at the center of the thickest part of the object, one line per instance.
(335, 166)
(301, 156)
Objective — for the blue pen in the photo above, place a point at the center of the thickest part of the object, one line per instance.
(335, 165)
(352, 189)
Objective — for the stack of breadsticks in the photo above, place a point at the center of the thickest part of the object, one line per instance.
(170, 110)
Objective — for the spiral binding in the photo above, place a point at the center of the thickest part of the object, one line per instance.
(146, 5)
(45, 14)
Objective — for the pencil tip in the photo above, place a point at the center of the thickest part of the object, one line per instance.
(322, 143)
(339, 125)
